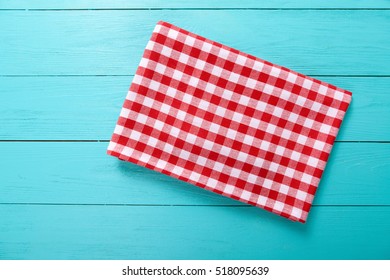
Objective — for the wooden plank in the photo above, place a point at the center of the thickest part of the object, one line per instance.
(104, 232)
(82, 173)
(88, 107)
(111, 42)
(138, 4)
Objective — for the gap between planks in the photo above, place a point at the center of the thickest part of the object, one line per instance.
(131, 75)
(107, 140)
(171, 205)
(193, 9)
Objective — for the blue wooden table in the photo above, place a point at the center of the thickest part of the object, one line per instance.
(65, 68)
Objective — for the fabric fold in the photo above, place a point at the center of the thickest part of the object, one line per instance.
(229, 122)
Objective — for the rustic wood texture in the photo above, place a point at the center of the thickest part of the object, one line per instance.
(65, 67)
(86, 108)
(111, 42)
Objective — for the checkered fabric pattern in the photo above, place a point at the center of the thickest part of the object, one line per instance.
(229, 122)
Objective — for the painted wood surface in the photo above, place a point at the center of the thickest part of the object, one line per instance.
(111, 42)
(81, 173)
(65, 67)
(191, 4)
(86, 108)
(188, 232)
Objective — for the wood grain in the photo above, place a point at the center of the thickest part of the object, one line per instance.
(119, 232)
(111, 42)
(150, 4)
(65, 67)
(86, 108)
(82, 173)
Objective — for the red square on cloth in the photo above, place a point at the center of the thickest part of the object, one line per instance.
(229, 122)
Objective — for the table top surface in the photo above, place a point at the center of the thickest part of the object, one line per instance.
(65, 68)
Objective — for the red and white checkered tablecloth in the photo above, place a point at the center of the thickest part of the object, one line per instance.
(229, 122)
